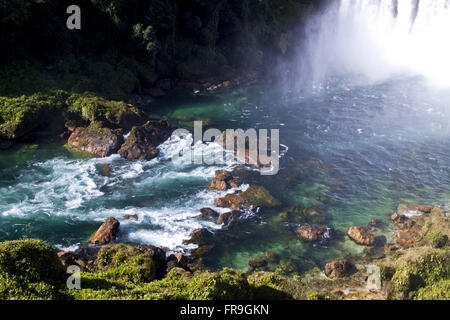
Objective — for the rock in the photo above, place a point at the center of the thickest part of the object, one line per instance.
(229, 218)
(314, 215)
(232, 201)
(177, 260)
(199, 237)
(245, 157)
(254, 196)
(287, 266)
(405, 239)
(106, 169)
(224, 181)
(67, 258)
(312, 233)
(209, 213)
(338, 268)
(361, 235)
(107, 232)
(272, 257)
(376, 223)
(257, 263)
(406, 208)
(100, 142)
(131, 217)
(143, 140)
(398, 218)
(402, 222)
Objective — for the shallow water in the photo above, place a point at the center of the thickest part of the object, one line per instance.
(355, 150)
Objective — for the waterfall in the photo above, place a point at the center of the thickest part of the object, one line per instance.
(380, 38)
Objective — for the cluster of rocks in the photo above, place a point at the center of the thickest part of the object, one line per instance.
(223, 180)
(141, 143)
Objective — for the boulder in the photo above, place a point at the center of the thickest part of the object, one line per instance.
(177, 260)
(253, 197)
(338, 268)
(246, 157)
(131, 217)
(209, 213)
(107, 232)
(361, 235)
(314, 215)
(199, 237)
(405, 239)
(406, 208)
(229, 218)
(223, 181)
(100, 142)
(312, 233)
(143, 140)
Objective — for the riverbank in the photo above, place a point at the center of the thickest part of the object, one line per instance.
(416, 269)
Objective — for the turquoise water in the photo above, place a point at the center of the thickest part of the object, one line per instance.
(354, 150)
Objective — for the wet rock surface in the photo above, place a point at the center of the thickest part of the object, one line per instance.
(361, 235)
(143, 140)
(100, 142)
(107, 232)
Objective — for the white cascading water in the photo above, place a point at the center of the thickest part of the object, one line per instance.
(380, 38)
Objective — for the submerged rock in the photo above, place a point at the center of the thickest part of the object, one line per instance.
(361, 235)
(107, 232)
(273, 257)
(143, 140)
(406, 208)
(253, 197)
(338, 268)
(257, 263)
(312, 233)
(100, 142)
(223, 181)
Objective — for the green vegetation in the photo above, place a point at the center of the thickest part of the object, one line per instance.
(29, 269)
(420, 273)
(437, 239)
(124, 47)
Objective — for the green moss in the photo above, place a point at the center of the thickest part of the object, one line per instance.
(19, 115)
(437, 239)
(96, 109)
(227, 285)
(259, 196)
(31, 259)
(436, 291)
(13, 287)
(423, 271)
(126, 263)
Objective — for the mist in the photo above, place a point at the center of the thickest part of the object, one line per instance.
(375, 40)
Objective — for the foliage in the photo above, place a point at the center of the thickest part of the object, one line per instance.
(32, 260)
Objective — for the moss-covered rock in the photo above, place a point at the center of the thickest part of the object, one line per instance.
(93, 109)
(130, 263)
(31, 259)
(255, 196)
